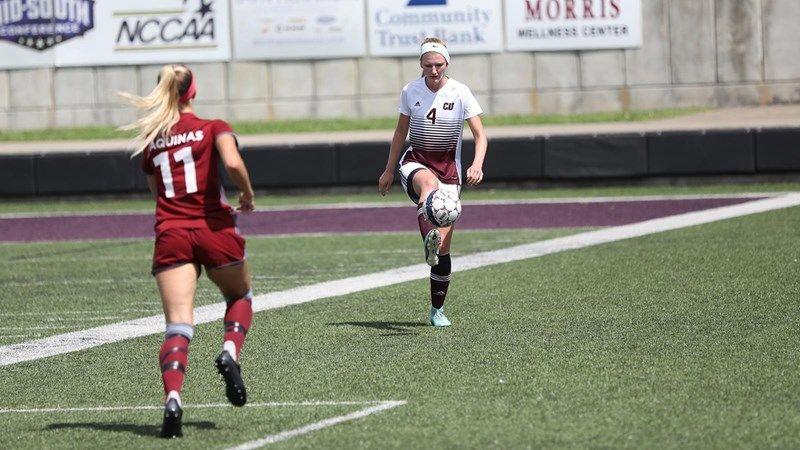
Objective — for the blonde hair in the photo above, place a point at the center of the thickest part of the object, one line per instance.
(162, 105)
(433, 39)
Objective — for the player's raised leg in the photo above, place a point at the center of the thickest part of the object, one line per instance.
(234, 283)
(423, 182)
(440, 280)
(177, 286)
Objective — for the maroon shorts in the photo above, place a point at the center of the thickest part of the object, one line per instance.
(210, 248)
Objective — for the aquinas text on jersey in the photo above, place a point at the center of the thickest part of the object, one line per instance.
(177, 139)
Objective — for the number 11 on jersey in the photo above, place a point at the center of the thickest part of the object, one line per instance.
(189, 175)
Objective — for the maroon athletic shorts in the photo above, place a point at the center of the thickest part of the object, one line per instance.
(210, 248)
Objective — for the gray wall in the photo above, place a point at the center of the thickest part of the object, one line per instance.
(695, 53)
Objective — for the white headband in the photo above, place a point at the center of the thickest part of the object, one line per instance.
(435, 47)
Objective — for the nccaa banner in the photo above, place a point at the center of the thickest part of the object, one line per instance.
(572, 24)
(298, 29)
(397, 27)
(152, 31)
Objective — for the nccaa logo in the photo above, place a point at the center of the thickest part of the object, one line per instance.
(186, 28)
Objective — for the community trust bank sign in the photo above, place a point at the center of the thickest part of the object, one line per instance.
(397, 27)
(573, 24)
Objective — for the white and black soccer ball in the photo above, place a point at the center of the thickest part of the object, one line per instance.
(442, 208)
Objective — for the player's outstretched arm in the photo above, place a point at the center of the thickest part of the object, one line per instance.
(234, 165)
(398, 140)
(475, 171)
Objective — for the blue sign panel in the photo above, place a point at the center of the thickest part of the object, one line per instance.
(46, 23)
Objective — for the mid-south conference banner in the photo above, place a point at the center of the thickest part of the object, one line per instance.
(30, 31)
(397, 27)
(572, 24)
(298, 29)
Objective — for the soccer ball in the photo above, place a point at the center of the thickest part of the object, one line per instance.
(442, 208)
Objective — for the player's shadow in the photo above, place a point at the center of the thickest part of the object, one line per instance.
(393, 328)
(141, 430)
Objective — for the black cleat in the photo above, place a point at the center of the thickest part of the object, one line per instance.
(232, 374)
(172, 420)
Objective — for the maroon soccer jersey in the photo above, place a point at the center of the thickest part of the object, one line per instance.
(185, 165)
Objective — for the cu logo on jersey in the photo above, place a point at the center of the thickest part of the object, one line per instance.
(448, 106)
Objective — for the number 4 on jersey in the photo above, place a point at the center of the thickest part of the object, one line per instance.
(432, 116)
(185, 155)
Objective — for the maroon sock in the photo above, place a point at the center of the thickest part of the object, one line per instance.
(238, 317)
(440, 281)
(174, 357)
(424, 225)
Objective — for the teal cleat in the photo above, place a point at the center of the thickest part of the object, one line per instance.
(432, 241)
(437, 317)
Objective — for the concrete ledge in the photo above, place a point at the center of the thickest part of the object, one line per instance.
(733, 142)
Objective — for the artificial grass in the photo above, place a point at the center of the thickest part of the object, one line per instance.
(680, 339)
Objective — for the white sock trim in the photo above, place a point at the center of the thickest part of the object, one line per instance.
(176, 395)
(230, 347)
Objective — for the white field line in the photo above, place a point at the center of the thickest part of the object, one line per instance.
(198, 406)
(406, 204)
(283, 435)
(84, 339)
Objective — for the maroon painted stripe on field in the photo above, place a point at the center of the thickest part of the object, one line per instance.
(338, 220)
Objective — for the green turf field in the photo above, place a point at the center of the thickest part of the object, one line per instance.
(682, 339)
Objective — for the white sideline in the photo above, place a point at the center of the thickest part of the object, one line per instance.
(372, 408)
(305, 429)
(197, 406)
(93, 337)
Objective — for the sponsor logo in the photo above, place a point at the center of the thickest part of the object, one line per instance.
(467, 24)
(426, 2)
(42, 24)
(191, 27)
(539, 10)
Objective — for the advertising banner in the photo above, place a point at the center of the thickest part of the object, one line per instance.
(151, 32)
(572, 24)
(31, 30)
(397, 27)
(298, 29)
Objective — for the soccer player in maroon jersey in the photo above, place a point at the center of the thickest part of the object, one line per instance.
(433, 109)
(195, 226)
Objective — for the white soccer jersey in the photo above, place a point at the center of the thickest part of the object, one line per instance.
(437, 121)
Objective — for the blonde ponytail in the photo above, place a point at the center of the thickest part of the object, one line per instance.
(162, 106)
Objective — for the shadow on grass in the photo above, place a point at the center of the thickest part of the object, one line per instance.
(396, 328)
(141, 430)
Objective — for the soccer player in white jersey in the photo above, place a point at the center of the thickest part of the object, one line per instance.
(434, 108)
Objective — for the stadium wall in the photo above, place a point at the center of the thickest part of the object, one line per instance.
(628, 156)
(695, 53)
